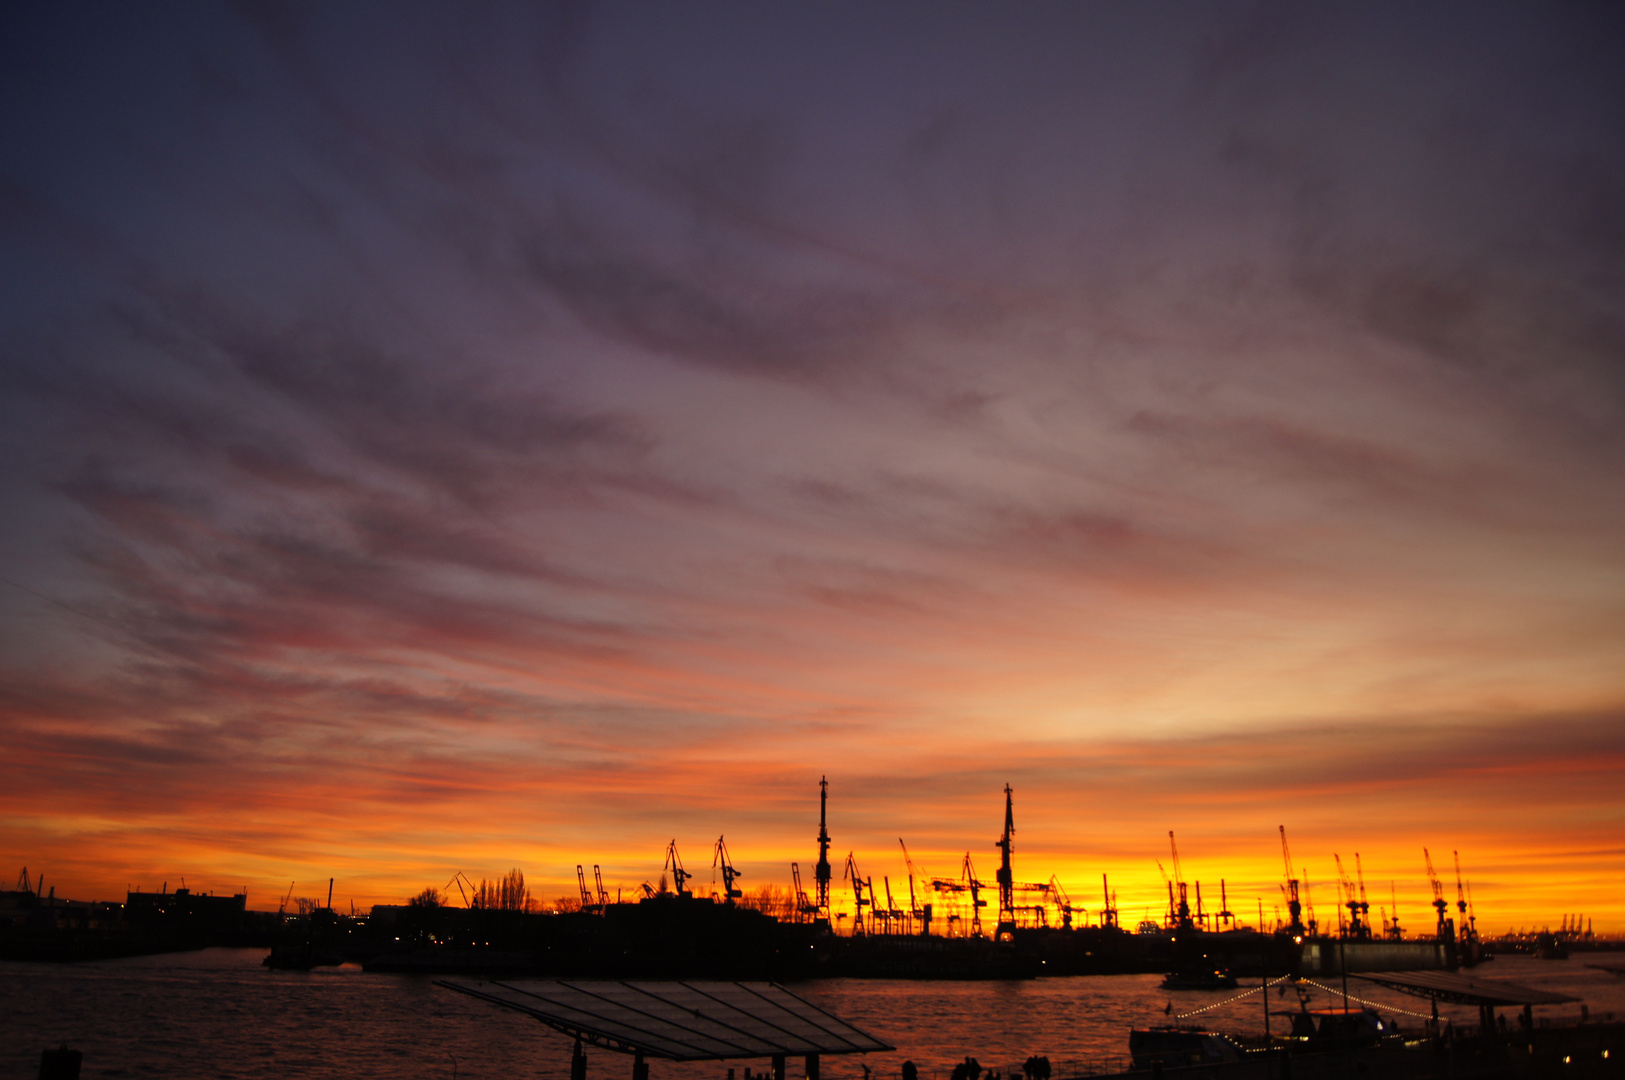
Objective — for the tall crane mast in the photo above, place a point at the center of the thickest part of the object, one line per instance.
(1108, 912)
(581, 883)
(719, 859)
(598, 881)
(1294, 906)
(1006, 927)
(821, 871)
(1394, 932)
(1225, 916)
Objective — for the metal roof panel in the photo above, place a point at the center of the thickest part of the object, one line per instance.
(1463, 989)
(680, 1021)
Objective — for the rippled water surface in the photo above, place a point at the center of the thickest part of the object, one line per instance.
(218, 1013)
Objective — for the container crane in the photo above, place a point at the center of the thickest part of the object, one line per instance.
(719, 858)
(1294, 907)
(603, 894)
(1108, 913)
(858, 901)
(1225, 917)
(1394, 932)
(679, 876)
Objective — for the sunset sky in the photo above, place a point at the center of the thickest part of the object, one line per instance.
(457, 438)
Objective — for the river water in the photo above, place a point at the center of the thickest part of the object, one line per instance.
(219, 1014)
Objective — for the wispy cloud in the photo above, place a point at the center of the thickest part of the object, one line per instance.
(527, 432)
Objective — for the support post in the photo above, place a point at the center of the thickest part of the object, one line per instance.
(812, 1067)
(1269, 1044)
(578, 1062)
(778, 1067)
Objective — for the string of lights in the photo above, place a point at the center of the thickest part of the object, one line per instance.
(1373, 1004)
(1228, 1000)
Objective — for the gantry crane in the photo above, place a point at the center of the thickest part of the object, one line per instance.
(1226, 916)
(719, 859)
(920, 913)
(1394, 932)
(1294, 906)
(858, 900)
(679, 876)
(581, 883)
(1355, 930)
(1445, 930)
(1062, 902)
(458, 879)
(895, 916)
(806, 910)
(1108, 913)
(1467, 929)
(974, 884)
(967, 882)
(603, 894)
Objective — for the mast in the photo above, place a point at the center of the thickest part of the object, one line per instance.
(821, 872)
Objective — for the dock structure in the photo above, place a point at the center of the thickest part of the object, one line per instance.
(679, 1021)
(1487, 994)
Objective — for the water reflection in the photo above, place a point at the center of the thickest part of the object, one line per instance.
(219, 1014)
